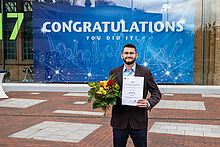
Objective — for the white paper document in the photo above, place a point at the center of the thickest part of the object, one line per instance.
(132, 90)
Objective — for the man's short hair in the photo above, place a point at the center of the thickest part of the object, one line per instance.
(129, 45)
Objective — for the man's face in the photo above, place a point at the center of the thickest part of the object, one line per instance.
(129, 55)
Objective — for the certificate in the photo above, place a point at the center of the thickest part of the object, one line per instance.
(132, 90)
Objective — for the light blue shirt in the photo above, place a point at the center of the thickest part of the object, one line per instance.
(126, 72)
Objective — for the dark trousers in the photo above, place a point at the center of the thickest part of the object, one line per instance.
(138, 136)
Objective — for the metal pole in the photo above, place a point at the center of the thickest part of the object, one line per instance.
(204, 40)
(3, 53)
(168, 4)
(132, 5)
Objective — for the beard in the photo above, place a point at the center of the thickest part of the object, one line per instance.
(130, 62)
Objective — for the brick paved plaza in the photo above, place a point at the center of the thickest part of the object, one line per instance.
(36, 118)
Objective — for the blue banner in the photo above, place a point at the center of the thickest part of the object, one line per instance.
(83, 43)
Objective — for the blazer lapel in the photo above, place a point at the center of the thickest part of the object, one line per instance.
(119, 74)
(138, 71)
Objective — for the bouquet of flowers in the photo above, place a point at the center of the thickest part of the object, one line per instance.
(104, 94)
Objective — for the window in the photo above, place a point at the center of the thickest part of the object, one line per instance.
(28, 31)
(9, 45)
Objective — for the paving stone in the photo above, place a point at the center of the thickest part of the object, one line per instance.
(158, 131)
(81, 133)
(154, 127)
(44, 131)
(178, 124)
(37, 137)
(186, 129)
(50, 129)
(203, 129)
(62, 132)
(192, 103)
(43, 125)
(178, 132)
(80, 103)
(79, 112)
(41, 133)
(211, 95)
(210, 126)
(54, 138)
(209, 134)
(192, 108)
(20, 103)
(35, 93)
(194, 133)
(216, 130)
(202, 108)
(162, 123)
(184, 105)
(60, 126)
(168, 94)
(24, 133)
(193, 125)
(76, 94)
(181, 107)
(168, 127)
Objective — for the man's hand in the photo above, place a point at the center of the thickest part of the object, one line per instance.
(143, 103)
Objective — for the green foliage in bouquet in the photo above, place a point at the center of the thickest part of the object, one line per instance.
(104, 94)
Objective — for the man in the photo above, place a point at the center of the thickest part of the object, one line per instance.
(133, 120)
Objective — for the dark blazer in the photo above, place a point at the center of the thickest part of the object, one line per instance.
(135, 116)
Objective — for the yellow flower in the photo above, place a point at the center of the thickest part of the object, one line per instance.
(106, 88)
(99, 92)
(101, 89)
(104, 83)
(116, 86)
(104, 92)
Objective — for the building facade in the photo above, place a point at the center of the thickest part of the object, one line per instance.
(16, 43)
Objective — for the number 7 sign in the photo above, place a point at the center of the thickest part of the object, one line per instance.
(17, 26)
